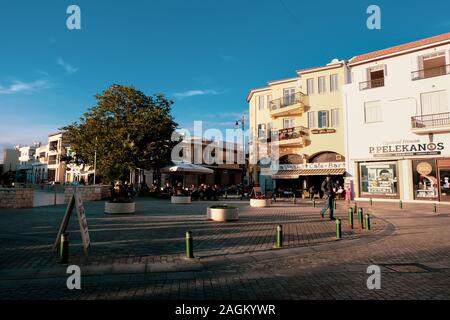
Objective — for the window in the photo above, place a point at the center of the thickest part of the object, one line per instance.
(372, 112)
(323, 119)
(288, 123)
(375, 76)
(269, 130)
(432, 65)
(261, 130)
(378, 179)
(289, 96)
(335, 118)
(322, 85)
(334, 82)
(434, 102)
(312, 123)
(425, 179)
(310, 86)
(269, 99)
(261, 102)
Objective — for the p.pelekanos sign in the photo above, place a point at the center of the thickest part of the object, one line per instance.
(406, 148)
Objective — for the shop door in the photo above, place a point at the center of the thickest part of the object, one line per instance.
(444, 184)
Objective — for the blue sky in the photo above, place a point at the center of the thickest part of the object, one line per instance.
(205, 55)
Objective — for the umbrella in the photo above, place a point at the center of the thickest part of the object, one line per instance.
(186, 168)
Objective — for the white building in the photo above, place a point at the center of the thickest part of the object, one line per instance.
(39, 166)
(398, 122)
(27, 157)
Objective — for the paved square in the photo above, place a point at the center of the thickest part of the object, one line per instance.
(142, 256)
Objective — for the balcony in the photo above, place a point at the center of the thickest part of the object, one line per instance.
(293, 136)
(289, 105)
(431, 123)
(430, 72)
(375, 83)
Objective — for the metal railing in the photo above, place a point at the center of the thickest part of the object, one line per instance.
(292, 133)
(375, 83)
(430, 72)
(430, 120)
(286, 101)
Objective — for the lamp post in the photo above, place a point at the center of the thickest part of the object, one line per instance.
(241, 123)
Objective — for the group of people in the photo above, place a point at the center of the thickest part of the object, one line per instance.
(122, 191)
(202, 192)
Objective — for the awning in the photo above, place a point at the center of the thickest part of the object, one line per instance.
(295, 174)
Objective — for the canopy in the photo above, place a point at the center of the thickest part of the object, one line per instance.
(186, 168)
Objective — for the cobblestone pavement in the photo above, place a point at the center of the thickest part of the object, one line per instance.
(142, 256)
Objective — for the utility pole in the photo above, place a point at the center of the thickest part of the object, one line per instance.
(241, 123)
(95, 160)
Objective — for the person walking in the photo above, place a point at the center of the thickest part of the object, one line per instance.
(329, 189)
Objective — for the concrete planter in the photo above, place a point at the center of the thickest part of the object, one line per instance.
(259, 203)
(180, 199)
(223, 214)
(120, 208)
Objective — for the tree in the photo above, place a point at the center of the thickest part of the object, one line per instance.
(128, 130)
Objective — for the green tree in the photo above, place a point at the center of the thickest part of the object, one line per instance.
(127, 128)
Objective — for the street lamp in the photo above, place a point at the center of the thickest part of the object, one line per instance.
(241, 123)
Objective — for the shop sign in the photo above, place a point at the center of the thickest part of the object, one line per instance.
(323, 131)
(319, 165)
(406, 148)
(424, 168)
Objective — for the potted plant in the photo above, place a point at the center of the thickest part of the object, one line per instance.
(259, 201)
(125, 131)
(180, 196)
(222, 213)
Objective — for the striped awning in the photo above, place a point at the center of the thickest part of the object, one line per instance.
(295, 174)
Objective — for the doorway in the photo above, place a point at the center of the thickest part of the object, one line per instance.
(444, 184)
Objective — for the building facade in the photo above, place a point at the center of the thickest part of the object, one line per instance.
(398, 122)
(303, 116)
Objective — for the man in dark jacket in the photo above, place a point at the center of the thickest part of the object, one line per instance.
(329, 189)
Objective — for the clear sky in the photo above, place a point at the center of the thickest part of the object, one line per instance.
(204, 54)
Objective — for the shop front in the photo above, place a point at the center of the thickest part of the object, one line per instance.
(379, 179)
(432, 179)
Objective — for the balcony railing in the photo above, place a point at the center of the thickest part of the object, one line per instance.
(431, 120)
(430, 72)
(292, 133)
(286, 101)
(375, 83)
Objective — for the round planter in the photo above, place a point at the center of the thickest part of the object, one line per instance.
(223, 214)
(180, 199)
(259, 203)
(120, 208)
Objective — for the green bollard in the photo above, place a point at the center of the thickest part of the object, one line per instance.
(314, 202)
(338, 229)
(400, 204)
(371, 201)
(367, 222)
(293, 199)
(434, 208)
(279, 236)
(189, 246)
(355, 208)
(335, 204)
(350, 217)
(64, 249)
(361, 217)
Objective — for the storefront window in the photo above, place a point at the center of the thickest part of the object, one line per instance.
(379, 179)
(424, 178)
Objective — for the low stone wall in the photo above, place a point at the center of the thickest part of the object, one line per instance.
(88, 193)
(14, 198)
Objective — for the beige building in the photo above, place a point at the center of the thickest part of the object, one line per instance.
(303, 117)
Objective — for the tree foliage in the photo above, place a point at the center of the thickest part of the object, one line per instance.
(127, 128)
